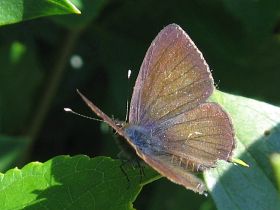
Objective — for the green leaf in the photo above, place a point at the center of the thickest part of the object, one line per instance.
(13, 11)
(73, 183)
(257, 135)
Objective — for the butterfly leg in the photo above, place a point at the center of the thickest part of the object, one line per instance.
(123, 163)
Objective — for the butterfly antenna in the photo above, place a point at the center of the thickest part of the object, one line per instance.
(81, 115)
(127, 102)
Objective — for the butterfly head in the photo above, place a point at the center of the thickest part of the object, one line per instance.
(120, 124)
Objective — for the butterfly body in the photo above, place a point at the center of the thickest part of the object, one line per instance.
(171, 125)
(143, 140)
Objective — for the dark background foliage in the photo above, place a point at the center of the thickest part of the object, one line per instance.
(239, 39)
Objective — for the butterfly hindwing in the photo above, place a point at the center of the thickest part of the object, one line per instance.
(189, 142)
(202, 135)
(178, 175)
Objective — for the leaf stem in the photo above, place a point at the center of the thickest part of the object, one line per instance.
(52, 84)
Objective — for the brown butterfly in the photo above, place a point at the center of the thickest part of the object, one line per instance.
(171, 126)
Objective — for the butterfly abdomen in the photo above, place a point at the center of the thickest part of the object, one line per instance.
(187, 164)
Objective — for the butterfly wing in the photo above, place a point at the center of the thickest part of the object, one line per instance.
(190, 142)
(173, 78)
(176, 174)
(201, 136)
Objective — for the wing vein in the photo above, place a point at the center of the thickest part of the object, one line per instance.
(162, 86)
(151, 70)
(170, 111)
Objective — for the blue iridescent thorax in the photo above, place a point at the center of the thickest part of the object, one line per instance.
(142, 138)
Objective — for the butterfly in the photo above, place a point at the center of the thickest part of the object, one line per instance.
(171, 125)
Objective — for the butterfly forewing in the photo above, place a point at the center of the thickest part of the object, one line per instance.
(173, 78)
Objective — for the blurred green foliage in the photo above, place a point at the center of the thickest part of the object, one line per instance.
(38, 77)
(275, 162)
